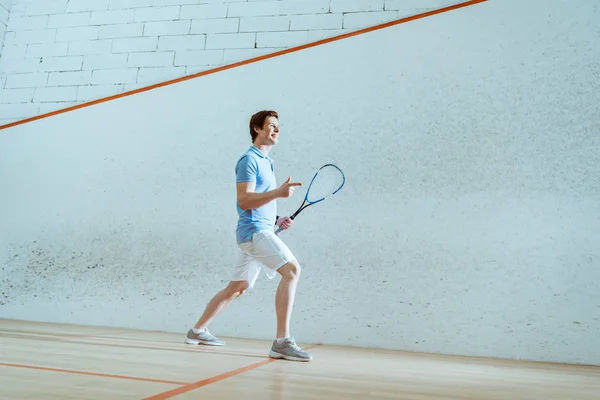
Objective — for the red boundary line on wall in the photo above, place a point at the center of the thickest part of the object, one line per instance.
(248, 61)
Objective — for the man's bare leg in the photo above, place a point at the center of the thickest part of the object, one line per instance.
(285, 296)
(284, 346)
(200, 334)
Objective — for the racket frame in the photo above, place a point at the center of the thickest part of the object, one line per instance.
(310, 203)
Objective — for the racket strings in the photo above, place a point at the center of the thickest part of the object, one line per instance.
(326, 183)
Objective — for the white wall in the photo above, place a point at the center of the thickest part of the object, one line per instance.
(60, 53)
(469, 223)
(4, 14)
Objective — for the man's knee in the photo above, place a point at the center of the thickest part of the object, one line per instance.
(290, 270)
(236, 288)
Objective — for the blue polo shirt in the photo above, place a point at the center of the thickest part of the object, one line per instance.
(254, 166)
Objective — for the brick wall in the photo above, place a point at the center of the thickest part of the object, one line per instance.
(58, 53)
(4, 15)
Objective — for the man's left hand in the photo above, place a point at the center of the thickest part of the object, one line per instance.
(284, 222)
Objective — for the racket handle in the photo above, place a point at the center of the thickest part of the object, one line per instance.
(278, 230)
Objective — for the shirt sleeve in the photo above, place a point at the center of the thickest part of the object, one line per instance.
(246, 169)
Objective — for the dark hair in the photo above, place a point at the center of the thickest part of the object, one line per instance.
(258, 119)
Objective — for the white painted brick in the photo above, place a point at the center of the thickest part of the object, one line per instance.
(135, 44)
(410, 7)
(317, 35)
(35, 36)
(187, 42)
(17, 6)
(356, 5)
(367, 19)
(26, 80)
(167, 28)
(90, 47)
(265, 24)
(174, 2)
(128, 87)
(20, 110)
(192, 69)
(151, 59)
(55, 106)
(154, 75)
(10, 39)
(313, 22)
(19, 66)
(12, 52)
(2, 82)
(46, 7)
(230, 41)
(121, 30)
(204, 11)
(69, 20)
(281, 39)
(19, 23)
(53, 94)
(69, 63)
(128, 4)
(105, 61)
(9, 96)
(114, 76)
(95, 92)
(47, 49)
(156, 14)
(4, 13)
(198, 57)
(77, 34)
(297, 7)
(234, 55)
(86, 5)
(69, 78)
(254, 9)
(112, 17)
(217, 25)
(2, 35)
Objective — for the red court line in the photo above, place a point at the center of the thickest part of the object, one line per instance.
(92, 373)
(217, 378)
(249, 61)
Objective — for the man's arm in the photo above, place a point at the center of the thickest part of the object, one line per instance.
(248, 199)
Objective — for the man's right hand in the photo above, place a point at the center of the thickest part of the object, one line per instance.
(287, 188)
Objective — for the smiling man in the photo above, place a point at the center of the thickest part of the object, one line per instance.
(257, 192)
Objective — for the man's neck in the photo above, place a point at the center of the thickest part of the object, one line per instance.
(264, 148)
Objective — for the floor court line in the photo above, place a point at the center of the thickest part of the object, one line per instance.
(123, 342)
(217, 378)
(71, 371)
(250, 61)
(67, 334)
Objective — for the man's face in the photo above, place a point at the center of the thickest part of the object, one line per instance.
(269, 133)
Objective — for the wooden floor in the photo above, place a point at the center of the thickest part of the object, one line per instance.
(50, 361)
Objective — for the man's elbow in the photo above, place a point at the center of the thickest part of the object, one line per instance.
(243, 204)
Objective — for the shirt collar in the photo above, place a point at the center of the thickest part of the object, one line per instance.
(259, 153)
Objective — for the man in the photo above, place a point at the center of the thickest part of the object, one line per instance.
(256, 205)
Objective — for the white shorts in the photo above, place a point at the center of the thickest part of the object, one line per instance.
(265, 249)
